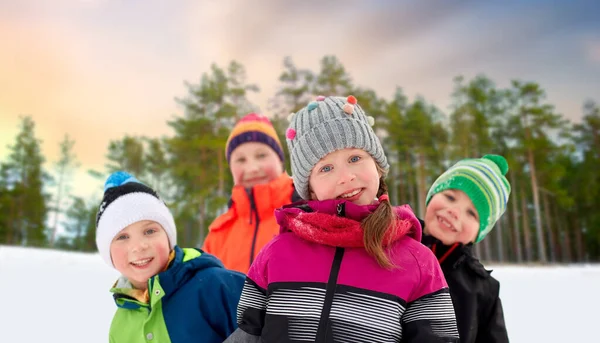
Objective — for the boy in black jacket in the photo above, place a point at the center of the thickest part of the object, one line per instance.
(463, 205)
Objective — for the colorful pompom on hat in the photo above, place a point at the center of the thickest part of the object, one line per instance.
(324, 126)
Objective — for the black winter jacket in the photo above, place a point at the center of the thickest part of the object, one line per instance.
(474, 292)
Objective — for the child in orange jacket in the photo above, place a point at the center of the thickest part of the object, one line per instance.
(261, 185)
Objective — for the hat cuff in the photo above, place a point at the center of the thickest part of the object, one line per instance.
(462, 183)
(128, 209)
(254, 136)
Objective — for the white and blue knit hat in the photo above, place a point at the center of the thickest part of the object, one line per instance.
(324, 126)
(126, 201)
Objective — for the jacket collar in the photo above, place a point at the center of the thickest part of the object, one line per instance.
(263, 199)
(183, 265)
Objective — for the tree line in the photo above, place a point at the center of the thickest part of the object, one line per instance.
(553, 212)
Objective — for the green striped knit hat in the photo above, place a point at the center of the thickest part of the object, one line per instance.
(483, 180)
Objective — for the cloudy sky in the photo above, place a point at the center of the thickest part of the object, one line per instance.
(97, 69)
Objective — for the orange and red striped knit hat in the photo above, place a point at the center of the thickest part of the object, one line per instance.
(253, 128)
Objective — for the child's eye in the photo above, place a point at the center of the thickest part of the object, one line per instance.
(325, 169)
(150, 231)
(261, 156)
(472, 213)
(121, 237)
(354, 159)
(449, 197)
(241, 160)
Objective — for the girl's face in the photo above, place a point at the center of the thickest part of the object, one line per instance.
(451, 217)
(349, 174)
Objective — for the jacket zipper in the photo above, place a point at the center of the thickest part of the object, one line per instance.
(256, 223)
(329, 293)
(149, 290)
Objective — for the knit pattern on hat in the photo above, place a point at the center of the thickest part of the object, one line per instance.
(254, 128)
(484, 182)
(323, 127)
(127, 201)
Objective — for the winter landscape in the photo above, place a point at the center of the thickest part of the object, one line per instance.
(57, 296)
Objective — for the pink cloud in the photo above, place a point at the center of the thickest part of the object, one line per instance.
(593, 51)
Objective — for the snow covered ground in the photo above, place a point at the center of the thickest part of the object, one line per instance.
(55, 296)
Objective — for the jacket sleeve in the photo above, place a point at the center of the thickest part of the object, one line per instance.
(493, 330)
(252, 308)
(429, 315)
(224, 297)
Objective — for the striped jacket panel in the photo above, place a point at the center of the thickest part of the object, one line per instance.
(292, 295)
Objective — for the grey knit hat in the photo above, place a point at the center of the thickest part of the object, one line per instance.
(324, 126)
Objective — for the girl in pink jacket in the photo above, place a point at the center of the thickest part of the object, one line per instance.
(347, 266)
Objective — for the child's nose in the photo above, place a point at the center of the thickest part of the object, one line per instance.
(253, 166)
(140, 246)
(453, 212)
(346, 175)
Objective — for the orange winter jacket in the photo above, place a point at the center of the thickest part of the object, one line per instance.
(237, 236)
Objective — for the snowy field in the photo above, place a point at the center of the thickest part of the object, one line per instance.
(54, 296)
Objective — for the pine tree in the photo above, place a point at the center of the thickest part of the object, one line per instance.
(24, 179)
(531, 123)
(65, 167)
(426, 138)
(156, 163)
(127, 155)
(332, 80)
(197, 150)
(77, 224)
(293, 91)
(396, 145)
(584, 181)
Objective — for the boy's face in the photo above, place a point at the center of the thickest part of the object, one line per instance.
(253, 164)
(349, 174)
(451, 217)
(140, 251)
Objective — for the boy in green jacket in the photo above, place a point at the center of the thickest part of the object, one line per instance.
(166, 293)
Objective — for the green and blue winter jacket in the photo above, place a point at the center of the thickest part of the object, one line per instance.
(194, 300)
